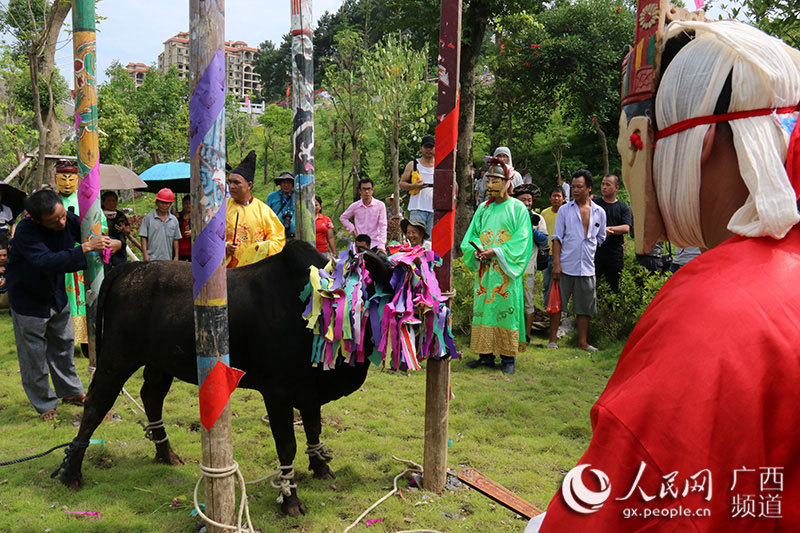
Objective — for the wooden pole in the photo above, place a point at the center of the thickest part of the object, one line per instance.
(92, 218)
(437, 387)
(303, 119)
(207, 147)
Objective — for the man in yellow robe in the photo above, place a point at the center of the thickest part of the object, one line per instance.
(253, 231)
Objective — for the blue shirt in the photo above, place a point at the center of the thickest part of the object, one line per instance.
(37, 262)
(577, 249)
(281, 204)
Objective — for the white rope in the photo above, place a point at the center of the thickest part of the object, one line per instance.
(244, 509)
(150, 427)
(134, 401)
(319, 451)
(413, 468)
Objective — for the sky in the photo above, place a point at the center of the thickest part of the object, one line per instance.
(135, 30)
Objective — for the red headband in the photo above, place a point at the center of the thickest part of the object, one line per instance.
(793, 153)
(725, 117)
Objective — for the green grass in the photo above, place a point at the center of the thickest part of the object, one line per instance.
(523, 431)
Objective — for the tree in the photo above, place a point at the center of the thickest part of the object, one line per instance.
(277, 131)
(116, 118)
(274, 67)
(556, 138)
(238, 126)
(776, 17)
(35, 25)
(17, 134)
(162, 108)
(575, 50)
(393, 74)
(345, 83)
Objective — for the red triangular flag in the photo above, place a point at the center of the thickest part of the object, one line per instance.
(215, 391)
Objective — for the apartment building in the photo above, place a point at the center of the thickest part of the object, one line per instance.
(239, 58)
(136, 71)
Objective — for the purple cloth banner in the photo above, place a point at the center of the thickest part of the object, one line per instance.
(208, 100)
(208, 250)
(89, 189)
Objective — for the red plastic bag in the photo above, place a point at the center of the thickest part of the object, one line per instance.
(554, 300)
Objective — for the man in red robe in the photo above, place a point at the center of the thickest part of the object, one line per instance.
(697, 429)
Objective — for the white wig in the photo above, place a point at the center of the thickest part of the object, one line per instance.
(765, 74)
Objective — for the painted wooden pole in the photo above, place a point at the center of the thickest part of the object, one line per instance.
(91, 214)
(303, 119)
(437, 388)
(207, 148)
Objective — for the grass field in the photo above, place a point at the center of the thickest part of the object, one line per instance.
(524, 431)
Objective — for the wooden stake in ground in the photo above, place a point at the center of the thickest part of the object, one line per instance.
(92, 218)
(437, 388)
(303, 120)
(207, 148)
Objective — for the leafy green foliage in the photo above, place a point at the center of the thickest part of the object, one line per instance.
(617, 313)
(776, 17)
(17, 134)
(116, 117)
(276, 132)
(400, 98)
(238, 128)
(273, 64)
(463, 281)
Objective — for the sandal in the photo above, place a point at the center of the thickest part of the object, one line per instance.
(50, 414)
(78, 399)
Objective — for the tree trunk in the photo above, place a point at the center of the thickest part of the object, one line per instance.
(266, 154)
(474, 30)
(510, 125)
(38, 176)
(604, 144)
(355, 160)
(41, 59)
(395, 148)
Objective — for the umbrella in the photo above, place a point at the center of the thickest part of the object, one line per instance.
(174, 175)
(119, 177)
(13, 198)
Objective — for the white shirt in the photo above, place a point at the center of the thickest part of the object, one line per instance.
(424, 200)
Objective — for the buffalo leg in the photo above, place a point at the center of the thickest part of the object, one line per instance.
(281, 421)
(318, 455)
(103, 391)
(154, 390)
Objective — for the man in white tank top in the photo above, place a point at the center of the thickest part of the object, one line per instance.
(417, 179)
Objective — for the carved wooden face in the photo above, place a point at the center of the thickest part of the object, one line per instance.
(66, 183)
(637, 173)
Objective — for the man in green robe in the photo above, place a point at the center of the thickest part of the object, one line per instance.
(67, 182)
(497, 246)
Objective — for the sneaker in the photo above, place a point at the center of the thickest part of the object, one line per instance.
(591, 349)
(508, 368)
(552, 346)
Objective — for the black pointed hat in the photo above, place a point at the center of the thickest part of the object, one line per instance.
(247, 168)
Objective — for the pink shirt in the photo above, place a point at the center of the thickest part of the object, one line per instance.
(369, 220)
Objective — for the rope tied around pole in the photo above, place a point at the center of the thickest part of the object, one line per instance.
(152, 426)
(319, 451)
(285, 487)
(244, 510)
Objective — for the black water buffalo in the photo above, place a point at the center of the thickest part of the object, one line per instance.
(145, 318)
